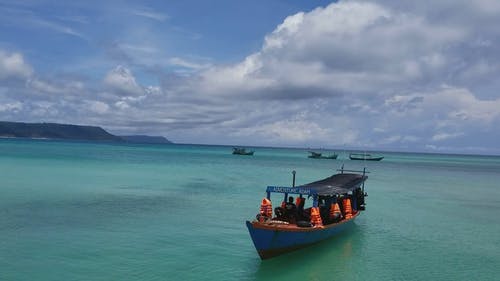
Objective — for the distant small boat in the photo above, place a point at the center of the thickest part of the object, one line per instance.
(242, 151)
(317, 155)
(314, 154)
(365, 157)
(336, 202)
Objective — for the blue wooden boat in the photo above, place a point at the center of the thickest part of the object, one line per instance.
(277, 234)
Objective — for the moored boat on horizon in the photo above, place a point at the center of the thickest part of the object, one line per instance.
(317, 155)
(336, 202)
(365, 157)
(242, 151)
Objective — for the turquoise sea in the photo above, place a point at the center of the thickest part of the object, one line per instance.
(88, 211)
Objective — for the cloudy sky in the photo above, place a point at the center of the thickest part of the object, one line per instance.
(388, 74)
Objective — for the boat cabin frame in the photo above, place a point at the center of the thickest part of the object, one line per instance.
(338, 185)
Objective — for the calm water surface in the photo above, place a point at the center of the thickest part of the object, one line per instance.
(85, 211)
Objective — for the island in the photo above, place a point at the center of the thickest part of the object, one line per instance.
(70, 132)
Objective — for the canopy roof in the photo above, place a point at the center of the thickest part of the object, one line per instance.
(336, 184)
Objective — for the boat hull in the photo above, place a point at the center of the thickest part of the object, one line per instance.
(366, 159)
(271, 241)
(243, 153)
(323, 157)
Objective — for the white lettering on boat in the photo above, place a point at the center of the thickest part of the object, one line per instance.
(282, 189)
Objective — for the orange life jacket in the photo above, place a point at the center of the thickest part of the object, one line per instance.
(346, 202)
(316, 217)
(334, 210)
(266, 208)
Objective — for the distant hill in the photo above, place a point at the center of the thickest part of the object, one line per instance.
(54, 131)
(69, 132)
(145, 139)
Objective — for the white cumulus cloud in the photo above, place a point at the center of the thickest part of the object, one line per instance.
(12, 65)
(122, 81)
(11, 107)
(383, 73)
(98, 107)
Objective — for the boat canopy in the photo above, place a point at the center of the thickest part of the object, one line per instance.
(334, 185)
